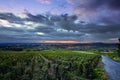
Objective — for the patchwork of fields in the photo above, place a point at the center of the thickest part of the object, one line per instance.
(50, 65)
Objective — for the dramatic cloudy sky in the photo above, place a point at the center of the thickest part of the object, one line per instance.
(61, 20)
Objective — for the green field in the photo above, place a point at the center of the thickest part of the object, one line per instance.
(50, 65)
(113, 55)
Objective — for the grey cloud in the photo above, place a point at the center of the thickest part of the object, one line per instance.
(112, 17)
(95, 28)
(2, 28)
(105, 37)
(44, 30)
(68, 34)
(69, 29)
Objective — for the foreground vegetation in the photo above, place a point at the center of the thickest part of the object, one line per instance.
(49, 65)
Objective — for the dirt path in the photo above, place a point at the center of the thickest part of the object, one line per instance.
(112, 68)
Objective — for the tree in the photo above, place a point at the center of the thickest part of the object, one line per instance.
(119, 48)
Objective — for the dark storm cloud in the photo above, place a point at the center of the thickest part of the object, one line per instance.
(94, 4)
(36, 18)
(113, 4)
(55, 27)
(10, 17)
(67, 22)
(97, 10)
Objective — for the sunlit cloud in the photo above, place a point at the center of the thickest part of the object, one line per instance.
(45, 1)
(40, 33)
(26, 25)
(4, 23)
(29, 23)
(32, 25)
(22, 15)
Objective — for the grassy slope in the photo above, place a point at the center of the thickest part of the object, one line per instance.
(112, 55)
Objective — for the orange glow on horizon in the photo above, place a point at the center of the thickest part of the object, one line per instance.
(63, 41)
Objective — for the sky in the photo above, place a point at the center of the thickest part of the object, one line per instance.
(59, 20)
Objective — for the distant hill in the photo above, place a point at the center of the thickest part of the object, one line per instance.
(39, 44)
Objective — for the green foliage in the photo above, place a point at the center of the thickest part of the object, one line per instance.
(119, 48)
(48, 65)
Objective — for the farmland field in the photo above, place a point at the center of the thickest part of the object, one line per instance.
(50, 65)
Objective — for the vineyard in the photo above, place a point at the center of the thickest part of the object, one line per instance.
(49, 65)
